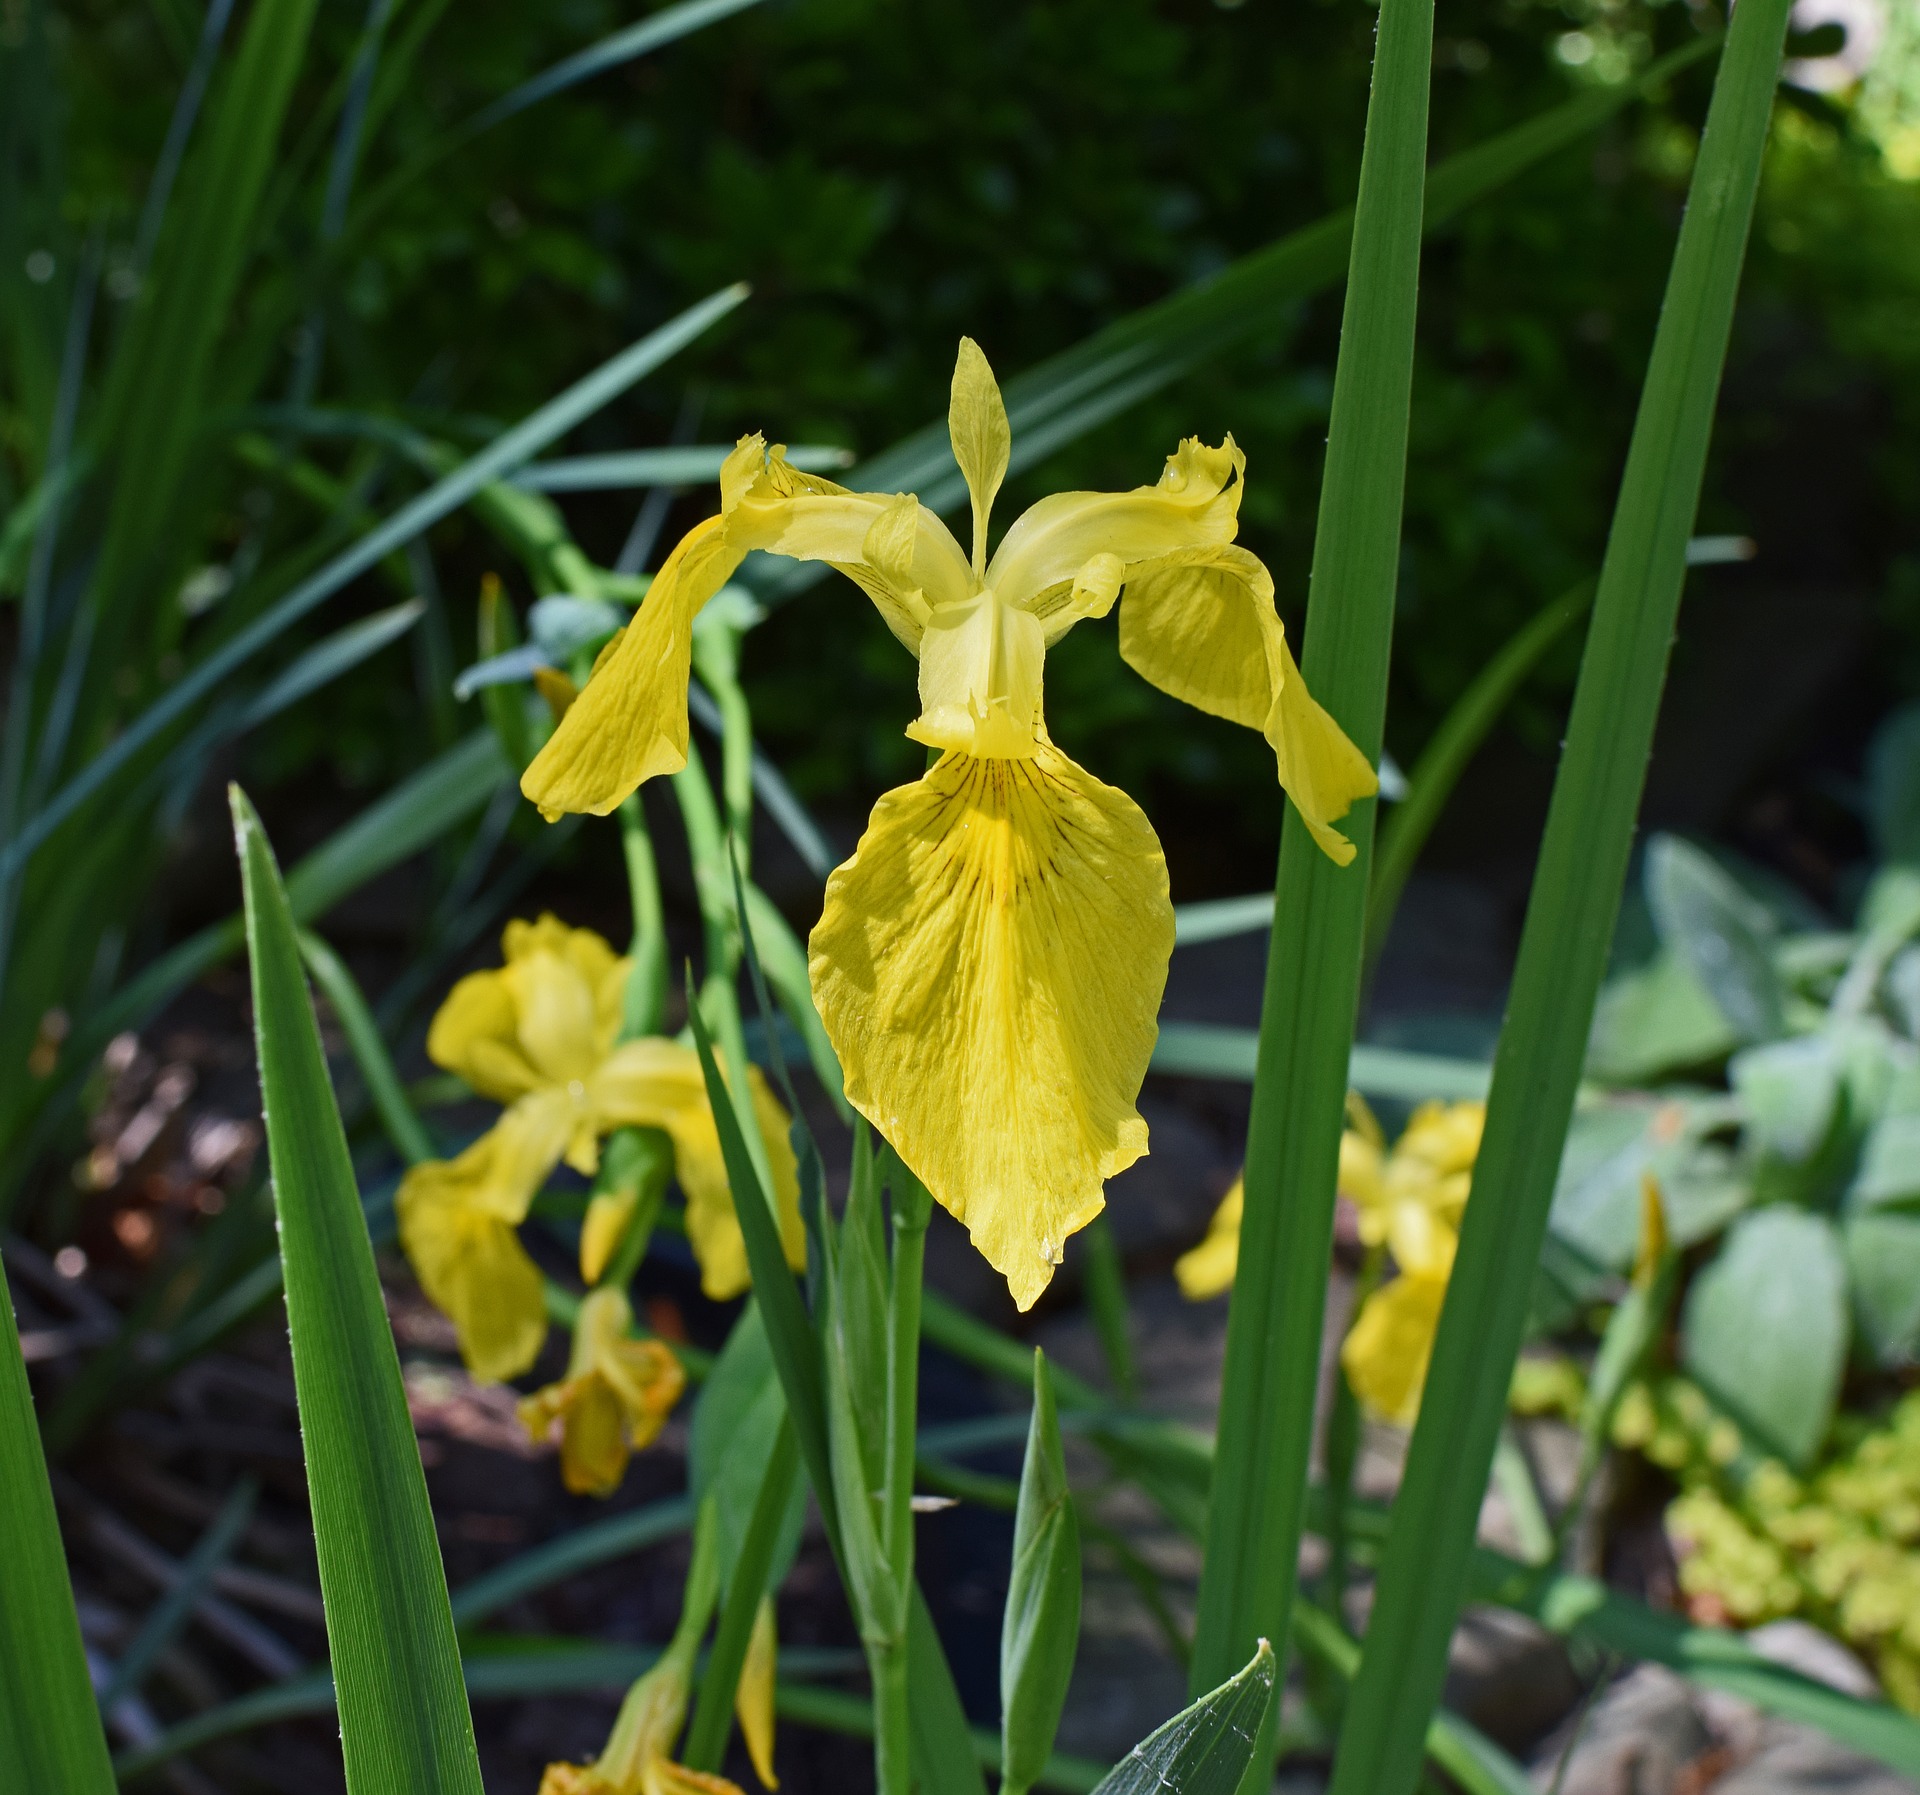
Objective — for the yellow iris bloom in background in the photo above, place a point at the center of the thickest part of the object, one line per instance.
(615, 1398)
(1408, 1201)
(637, 1760)
(990, 962)
(539, 1035)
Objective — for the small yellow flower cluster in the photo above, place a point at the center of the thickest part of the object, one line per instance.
(1409, 1203)
(541, 1035)
(1841, 1548)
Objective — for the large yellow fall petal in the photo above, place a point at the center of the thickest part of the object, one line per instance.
(457, 1226)
(1385, 1355)
(658, 1084)
(988, 966)
(630, 721)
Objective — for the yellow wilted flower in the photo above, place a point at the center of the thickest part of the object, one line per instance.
(616, 1396)
(539, 1035)
(636, 1760)
(989, 964)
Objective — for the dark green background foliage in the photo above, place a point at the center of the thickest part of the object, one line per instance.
(890, 176)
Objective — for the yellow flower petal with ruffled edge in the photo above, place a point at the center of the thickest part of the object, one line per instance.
(1386, 1353)
(1202, 627)
(1208, 1269)
(989, 966)
(459, 1235)
(658, 1084)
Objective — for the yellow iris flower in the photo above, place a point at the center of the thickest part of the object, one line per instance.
(989, 964)
(637, 1759)
(1408, 1201)
(539, 1035)
(615, 1398)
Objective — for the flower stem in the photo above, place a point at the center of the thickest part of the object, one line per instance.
(646, 999)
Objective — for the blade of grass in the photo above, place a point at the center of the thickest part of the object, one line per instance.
(404, 1724)
(706, 1740)
(50, 1735)
(500, 457)
(397, 1115)
(330, 658)
(171, 1612)
(156, 384)
(1435, 774)
(186, 109)
(1313, 963)
(1566, 938)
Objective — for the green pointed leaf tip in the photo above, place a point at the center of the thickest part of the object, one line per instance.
(1041, 1626)
(404, 1724)
(50, 1735)
(1204, 1749)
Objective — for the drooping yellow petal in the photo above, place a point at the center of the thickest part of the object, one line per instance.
(1207, 1270)
(658, 1084)
(989, 965)
(982, 439)
(1386, 1352)
(1202, 627)
(630, 721)
(460, 1237)
(1320, 770)
(753, 1694)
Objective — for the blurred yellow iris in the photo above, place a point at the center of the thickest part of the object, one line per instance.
(989, 964)
(1408, 1201)
(615, 1398)
(540, 1035)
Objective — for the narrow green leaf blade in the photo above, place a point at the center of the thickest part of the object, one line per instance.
(1204, 1749)
(50, 1735)
(404, 1724)
(1564, 945)
(1313, 965)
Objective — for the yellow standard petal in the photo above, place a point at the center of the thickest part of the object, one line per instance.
(658, 1084)
(630, 722)
(1386, 1353)
(1207, 1270)
(989, 966)
(457, 1225)
(982, 439)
